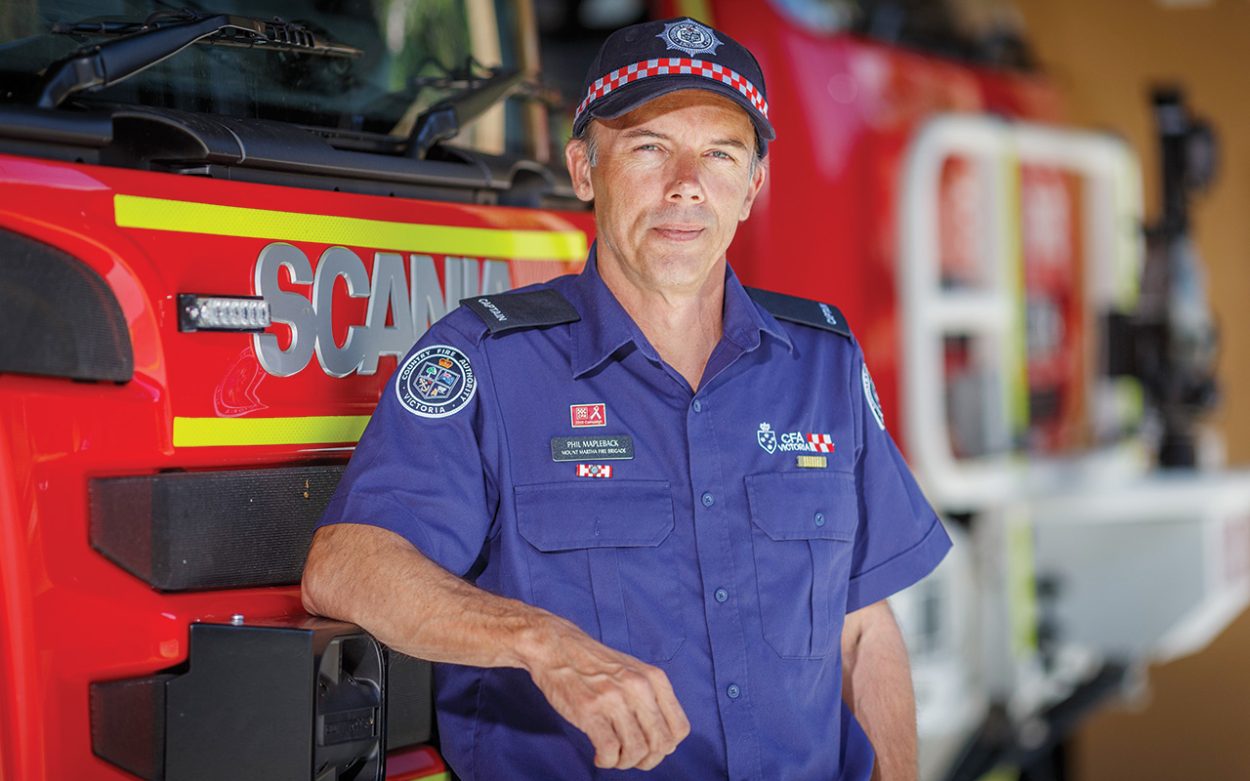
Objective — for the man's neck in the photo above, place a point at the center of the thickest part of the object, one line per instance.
(684, 326)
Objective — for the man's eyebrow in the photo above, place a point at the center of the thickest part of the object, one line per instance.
(642, 132)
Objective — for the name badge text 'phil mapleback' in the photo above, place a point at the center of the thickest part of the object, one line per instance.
(605, 447)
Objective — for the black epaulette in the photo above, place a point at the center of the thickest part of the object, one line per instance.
(801, 310)
(503, 312)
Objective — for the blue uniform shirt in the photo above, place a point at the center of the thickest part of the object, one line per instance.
(705, 549)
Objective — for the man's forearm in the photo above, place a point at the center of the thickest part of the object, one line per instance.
(877, 686)
(373, 577)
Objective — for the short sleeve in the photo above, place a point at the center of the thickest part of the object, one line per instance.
(900, 538)
(419, 469)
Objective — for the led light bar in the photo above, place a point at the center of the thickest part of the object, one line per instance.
(222, 313)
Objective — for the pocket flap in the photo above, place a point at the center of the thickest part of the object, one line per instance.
(595, 514)
(803, 505)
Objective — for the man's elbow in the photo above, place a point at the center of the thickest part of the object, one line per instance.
(307, 593)
(315, 585)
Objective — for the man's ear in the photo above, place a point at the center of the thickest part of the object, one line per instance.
(753, 189)
(577, 158)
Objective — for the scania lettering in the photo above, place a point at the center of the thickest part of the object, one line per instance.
(403, 298)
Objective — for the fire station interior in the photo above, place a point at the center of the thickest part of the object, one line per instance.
(1038, 210)
(1175, 715)
(1105, 57)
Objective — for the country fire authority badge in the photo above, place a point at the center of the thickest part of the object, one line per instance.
(436, 382)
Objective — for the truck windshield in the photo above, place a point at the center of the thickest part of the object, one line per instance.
(413, 53)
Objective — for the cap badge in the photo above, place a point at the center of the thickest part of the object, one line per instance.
(690, 37)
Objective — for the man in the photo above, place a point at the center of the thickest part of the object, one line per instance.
(640, 520)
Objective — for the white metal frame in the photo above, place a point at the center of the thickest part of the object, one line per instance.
(1111, 224)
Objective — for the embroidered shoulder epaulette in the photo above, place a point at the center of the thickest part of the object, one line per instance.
(801, 310)
(503, 312)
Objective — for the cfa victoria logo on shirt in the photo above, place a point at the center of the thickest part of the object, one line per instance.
(792, 441)
(436, 382)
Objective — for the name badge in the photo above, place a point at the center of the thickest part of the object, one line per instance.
(607, 447)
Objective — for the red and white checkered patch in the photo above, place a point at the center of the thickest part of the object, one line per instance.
(584, 415)
(672, 66)
(594, 470)
(821, 443)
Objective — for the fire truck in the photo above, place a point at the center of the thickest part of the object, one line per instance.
(223, 227)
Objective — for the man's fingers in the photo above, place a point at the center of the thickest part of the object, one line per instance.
(634, 731)
(633, 741)
(618, 739)
(603, 737)
(670, 708)
(658, 740)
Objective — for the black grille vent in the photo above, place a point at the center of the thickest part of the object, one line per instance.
(210, 530)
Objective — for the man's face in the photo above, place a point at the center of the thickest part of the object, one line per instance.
(672, 181)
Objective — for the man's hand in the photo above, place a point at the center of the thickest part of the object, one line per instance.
(626, 708)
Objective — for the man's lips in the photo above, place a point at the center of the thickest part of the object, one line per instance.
(679, 232)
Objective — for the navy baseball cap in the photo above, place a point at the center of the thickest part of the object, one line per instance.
(644, 61)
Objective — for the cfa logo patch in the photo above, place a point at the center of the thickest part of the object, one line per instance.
(870, 394)
(690, 37)
(792, 441)
(436, 382)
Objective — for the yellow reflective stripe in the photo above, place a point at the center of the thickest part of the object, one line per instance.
(315, 430)
(135, 211)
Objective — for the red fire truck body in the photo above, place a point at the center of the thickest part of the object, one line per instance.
(72, 616)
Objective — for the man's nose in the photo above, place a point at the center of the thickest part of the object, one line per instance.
(685, 186)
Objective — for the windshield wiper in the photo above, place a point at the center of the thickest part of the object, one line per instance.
(144, 44)
(444, 119)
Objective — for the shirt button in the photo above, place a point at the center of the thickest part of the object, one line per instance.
(721, 595)
(733, 691)
(708, 500)
(820, 519)
(698, 405)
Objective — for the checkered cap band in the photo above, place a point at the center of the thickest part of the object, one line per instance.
(672, 66)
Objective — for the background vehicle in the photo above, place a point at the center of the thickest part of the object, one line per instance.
(1040, 355)
(358, 168)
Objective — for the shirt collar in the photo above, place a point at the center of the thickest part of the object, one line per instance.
(605, 326)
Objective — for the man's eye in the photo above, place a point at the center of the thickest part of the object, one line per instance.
(721, 155)
(648, 148)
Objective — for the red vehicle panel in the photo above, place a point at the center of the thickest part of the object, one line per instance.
(71, 616)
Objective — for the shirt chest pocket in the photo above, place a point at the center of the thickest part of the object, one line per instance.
(802, 531)
(600, 554)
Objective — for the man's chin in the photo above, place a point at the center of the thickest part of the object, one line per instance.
(683, 269)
